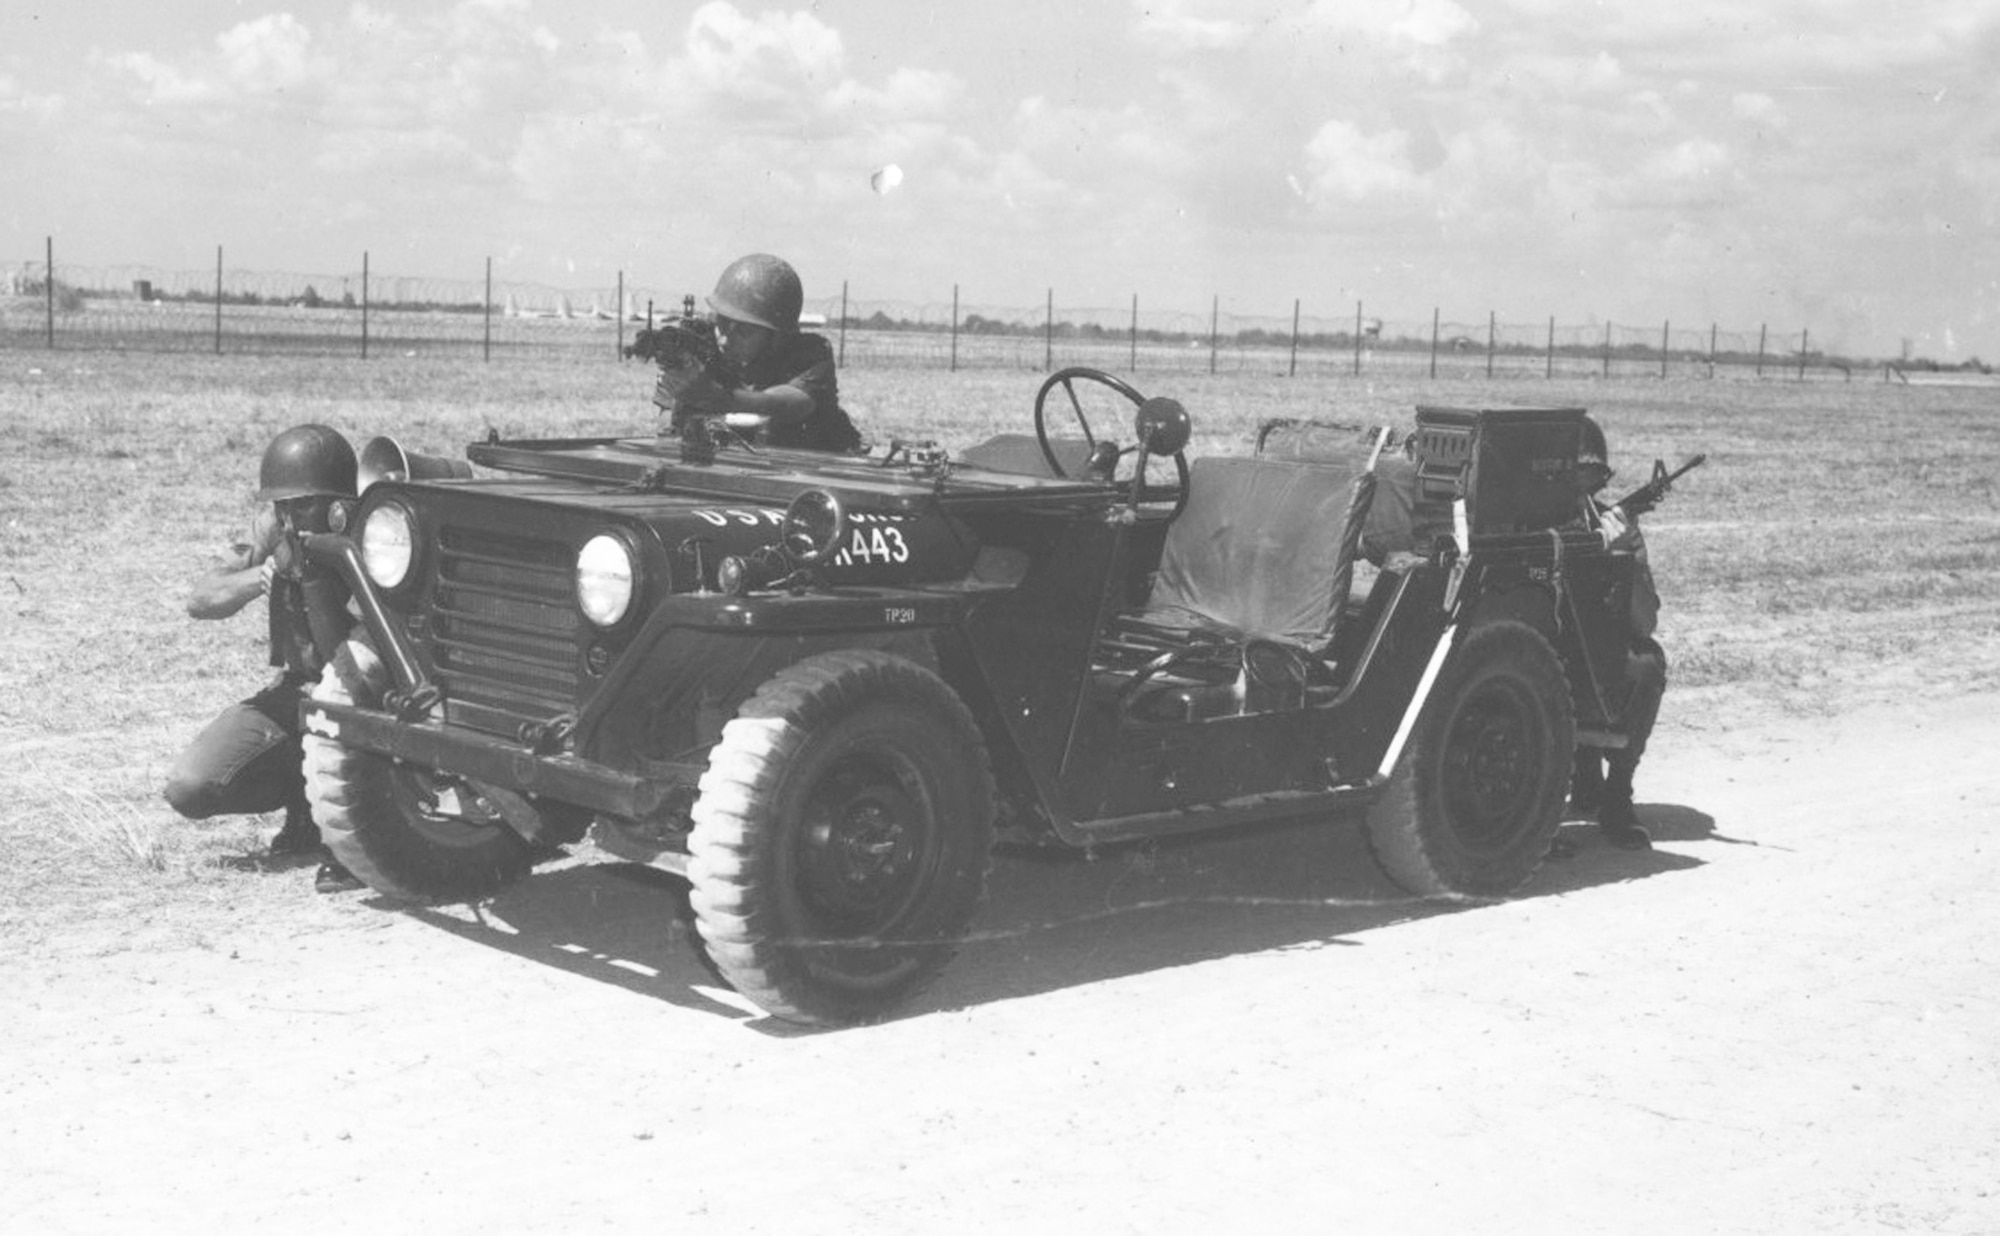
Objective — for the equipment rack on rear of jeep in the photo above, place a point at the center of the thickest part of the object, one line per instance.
(818, 686)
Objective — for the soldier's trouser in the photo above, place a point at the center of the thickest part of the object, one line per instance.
(245, 761)
(1646, 671)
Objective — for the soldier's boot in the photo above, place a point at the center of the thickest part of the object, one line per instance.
(334, 878)
(298, 836)
(1615, 818)
(1586, 783)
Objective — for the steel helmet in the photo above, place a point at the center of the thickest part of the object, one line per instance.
(762, 289)
(306, 460)
(1591, 448)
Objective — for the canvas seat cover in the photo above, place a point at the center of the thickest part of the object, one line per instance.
(1392, 525)
(1258, 551)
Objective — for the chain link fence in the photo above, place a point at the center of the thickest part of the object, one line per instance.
(363, 312)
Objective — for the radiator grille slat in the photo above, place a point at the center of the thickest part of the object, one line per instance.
(504, 639)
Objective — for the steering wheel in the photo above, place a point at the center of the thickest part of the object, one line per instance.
(1108, 451)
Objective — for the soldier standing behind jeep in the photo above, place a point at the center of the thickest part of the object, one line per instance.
(1601, 782)
(789, 389)
(247, 760)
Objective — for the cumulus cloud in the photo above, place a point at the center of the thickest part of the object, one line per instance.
(1759, 109)
(907, 93)
(768, 56)
(270, 53)
(1345, 164)
(17, 98)
(1418, 35)
(1691, 174)
(1176, 25)
(163, 82)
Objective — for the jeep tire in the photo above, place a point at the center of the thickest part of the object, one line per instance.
(388, 823)
(1478, 794)
(842, 837)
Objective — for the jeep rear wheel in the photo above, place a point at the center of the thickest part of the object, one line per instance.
(1478, 793)
(402, 829)
(842, 837)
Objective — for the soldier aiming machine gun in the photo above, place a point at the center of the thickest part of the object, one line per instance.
(677, 341)
(1653, 492)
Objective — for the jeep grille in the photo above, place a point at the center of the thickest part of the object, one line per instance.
(504, 637)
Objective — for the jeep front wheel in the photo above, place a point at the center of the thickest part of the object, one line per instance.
(1478, 793)
(403, 830)
(842, 837)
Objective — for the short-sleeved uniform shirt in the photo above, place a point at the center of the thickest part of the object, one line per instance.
(806, 362)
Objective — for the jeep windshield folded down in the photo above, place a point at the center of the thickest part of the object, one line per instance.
(819, 686)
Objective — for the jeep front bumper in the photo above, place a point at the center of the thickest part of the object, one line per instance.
(493, 761)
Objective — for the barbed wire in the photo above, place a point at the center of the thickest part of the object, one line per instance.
(142, 306)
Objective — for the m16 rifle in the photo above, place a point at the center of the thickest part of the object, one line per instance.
(307, 602)
(1653, 492)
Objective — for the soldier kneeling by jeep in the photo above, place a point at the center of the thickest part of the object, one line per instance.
(247, 760)
(1601, 782)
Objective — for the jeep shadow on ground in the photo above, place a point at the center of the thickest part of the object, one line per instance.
(1053, 919)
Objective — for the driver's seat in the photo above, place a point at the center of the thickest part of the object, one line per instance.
(1257, 567)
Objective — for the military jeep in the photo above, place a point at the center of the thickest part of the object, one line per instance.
(819, 687)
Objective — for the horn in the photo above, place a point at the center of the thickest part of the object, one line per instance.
(384, 459)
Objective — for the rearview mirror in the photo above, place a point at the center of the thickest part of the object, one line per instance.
(1162, 425)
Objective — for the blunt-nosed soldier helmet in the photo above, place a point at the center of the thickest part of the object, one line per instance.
(1591, 448)
(762, 289)
(306, 460)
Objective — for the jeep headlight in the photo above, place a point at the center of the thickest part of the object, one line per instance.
(604, 573)
(815, 525)
(388, 545)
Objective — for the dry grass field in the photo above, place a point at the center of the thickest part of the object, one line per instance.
(1161, 1040)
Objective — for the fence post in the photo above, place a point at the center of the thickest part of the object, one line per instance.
(486, 315)
(1049, 334)
(364, 304)
(1549, 369)
(954, 328)
(1711, 349)
(841, 356)
(1133, 364)
(1664, 328)
(218, 300)
(1761, 330)
(1214, 339)
(1492, 335)
(1805, 345)
(1434, 341)
(1607, 349)
(1293, 372)
(1357, 338)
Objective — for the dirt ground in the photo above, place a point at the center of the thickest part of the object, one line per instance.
(1784, 1018)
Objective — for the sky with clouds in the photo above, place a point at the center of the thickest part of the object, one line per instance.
(1822, 164)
